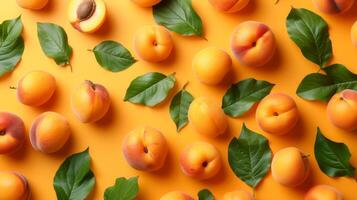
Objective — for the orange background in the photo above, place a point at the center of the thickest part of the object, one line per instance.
(287, 69)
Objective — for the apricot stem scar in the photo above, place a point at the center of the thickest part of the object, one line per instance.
(204, 164)
(2, 132)
(146, 150)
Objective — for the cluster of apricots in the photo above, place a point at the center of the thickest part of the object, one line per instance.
(252, 43)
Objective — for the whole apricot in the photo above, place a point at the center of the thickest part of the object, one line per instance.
(49, 132)
(253, 43)
(146, 3)
(153, 43)
(333, 6)
(200, 160)
(323, 192)
(290, 167)
(145, 149)
(13, 186)
(211, 65)
(229, 6)
(90, 102)
(36, 88)
(12, 132)
(87, 15)
(277, 114)
(354, 34)
(32, 4)
(238, 195)
(176, 195)
(342, 110)
(207, 117)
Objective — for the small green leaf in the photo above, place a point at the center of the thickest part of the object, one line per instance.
(249, 156)
(74, 180)
(310, 32)
(11, 44)
(150, 89)
(178, 16)
(54, 42)
(333, 158)
(317, 86)
(113, 56)
(241, 96)
(179, 108)
(124, 189)
(205, 194)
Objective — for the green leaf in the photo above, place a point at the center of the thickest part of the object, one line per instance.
(249, 156)
(54, 42)
(124, 189)
(11, 44)
(240, 97)
(317, 86)
(310, 32)
(179, 108)
(205, 195)
(74, 180)
(333, 158)
(178, 16)
(113, 56)
(150, 89)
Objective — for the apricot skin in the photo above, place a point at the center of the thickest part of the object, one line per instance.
(207, 117)
(12, 133)
(238, 195)
(32, 4)
(323, 192)
(146, 3)
(36, 88)
(333, 6)
(176, 195)
(13, 186)
(153, 43)
(342, 110)
(90, 102)
(49, 132)
(290, 167)
(229, 6)
(253, 43)
(211, 65)
(145, 149)
(277, 114)
(200, 160)
(354, 34)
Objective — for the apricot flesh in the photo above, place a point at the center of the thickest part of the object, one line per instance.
(238, 195)
(323, 192)
(290, 167)
(13, 186)
(36, 88)
(32, 4)
(211, 65)
(146, 3)
(333, 6)
(49, 132)
(176, 195)
(207, 117)
(229, 6)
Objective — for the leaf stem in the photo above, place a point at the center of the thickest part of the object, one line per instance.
(70, 66)
(185, 85)
(277, 1)
(13, 88)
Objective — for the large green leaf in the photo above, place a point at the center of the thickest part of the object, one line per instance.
(249, 156)
(74, 180)
(240, 97)
(333, 158)
(113, 56)
(310, 32)
(124, 189)
(317, 86)
(150, 89)
(205, 194)
(179, 108)
(11, 44)
(54, 42)
(178, 16)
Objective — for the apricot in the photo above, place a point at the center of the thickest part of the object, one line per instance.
(87, 15)
(229, 6)
(342, 110)
(36, 88)
(333, 6)
(323, 192)
(207, 117)
(354, 34)
(200, 160)
(211, 65)
(253, 43)
(153, 43)
(176, 195)
(238, 195)
(145, 149)
(277, 114)
(12, 133)
(13, 186)
(90, 102)
(49, 132)
(290, 167)
(32, 4)
(146, 3)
